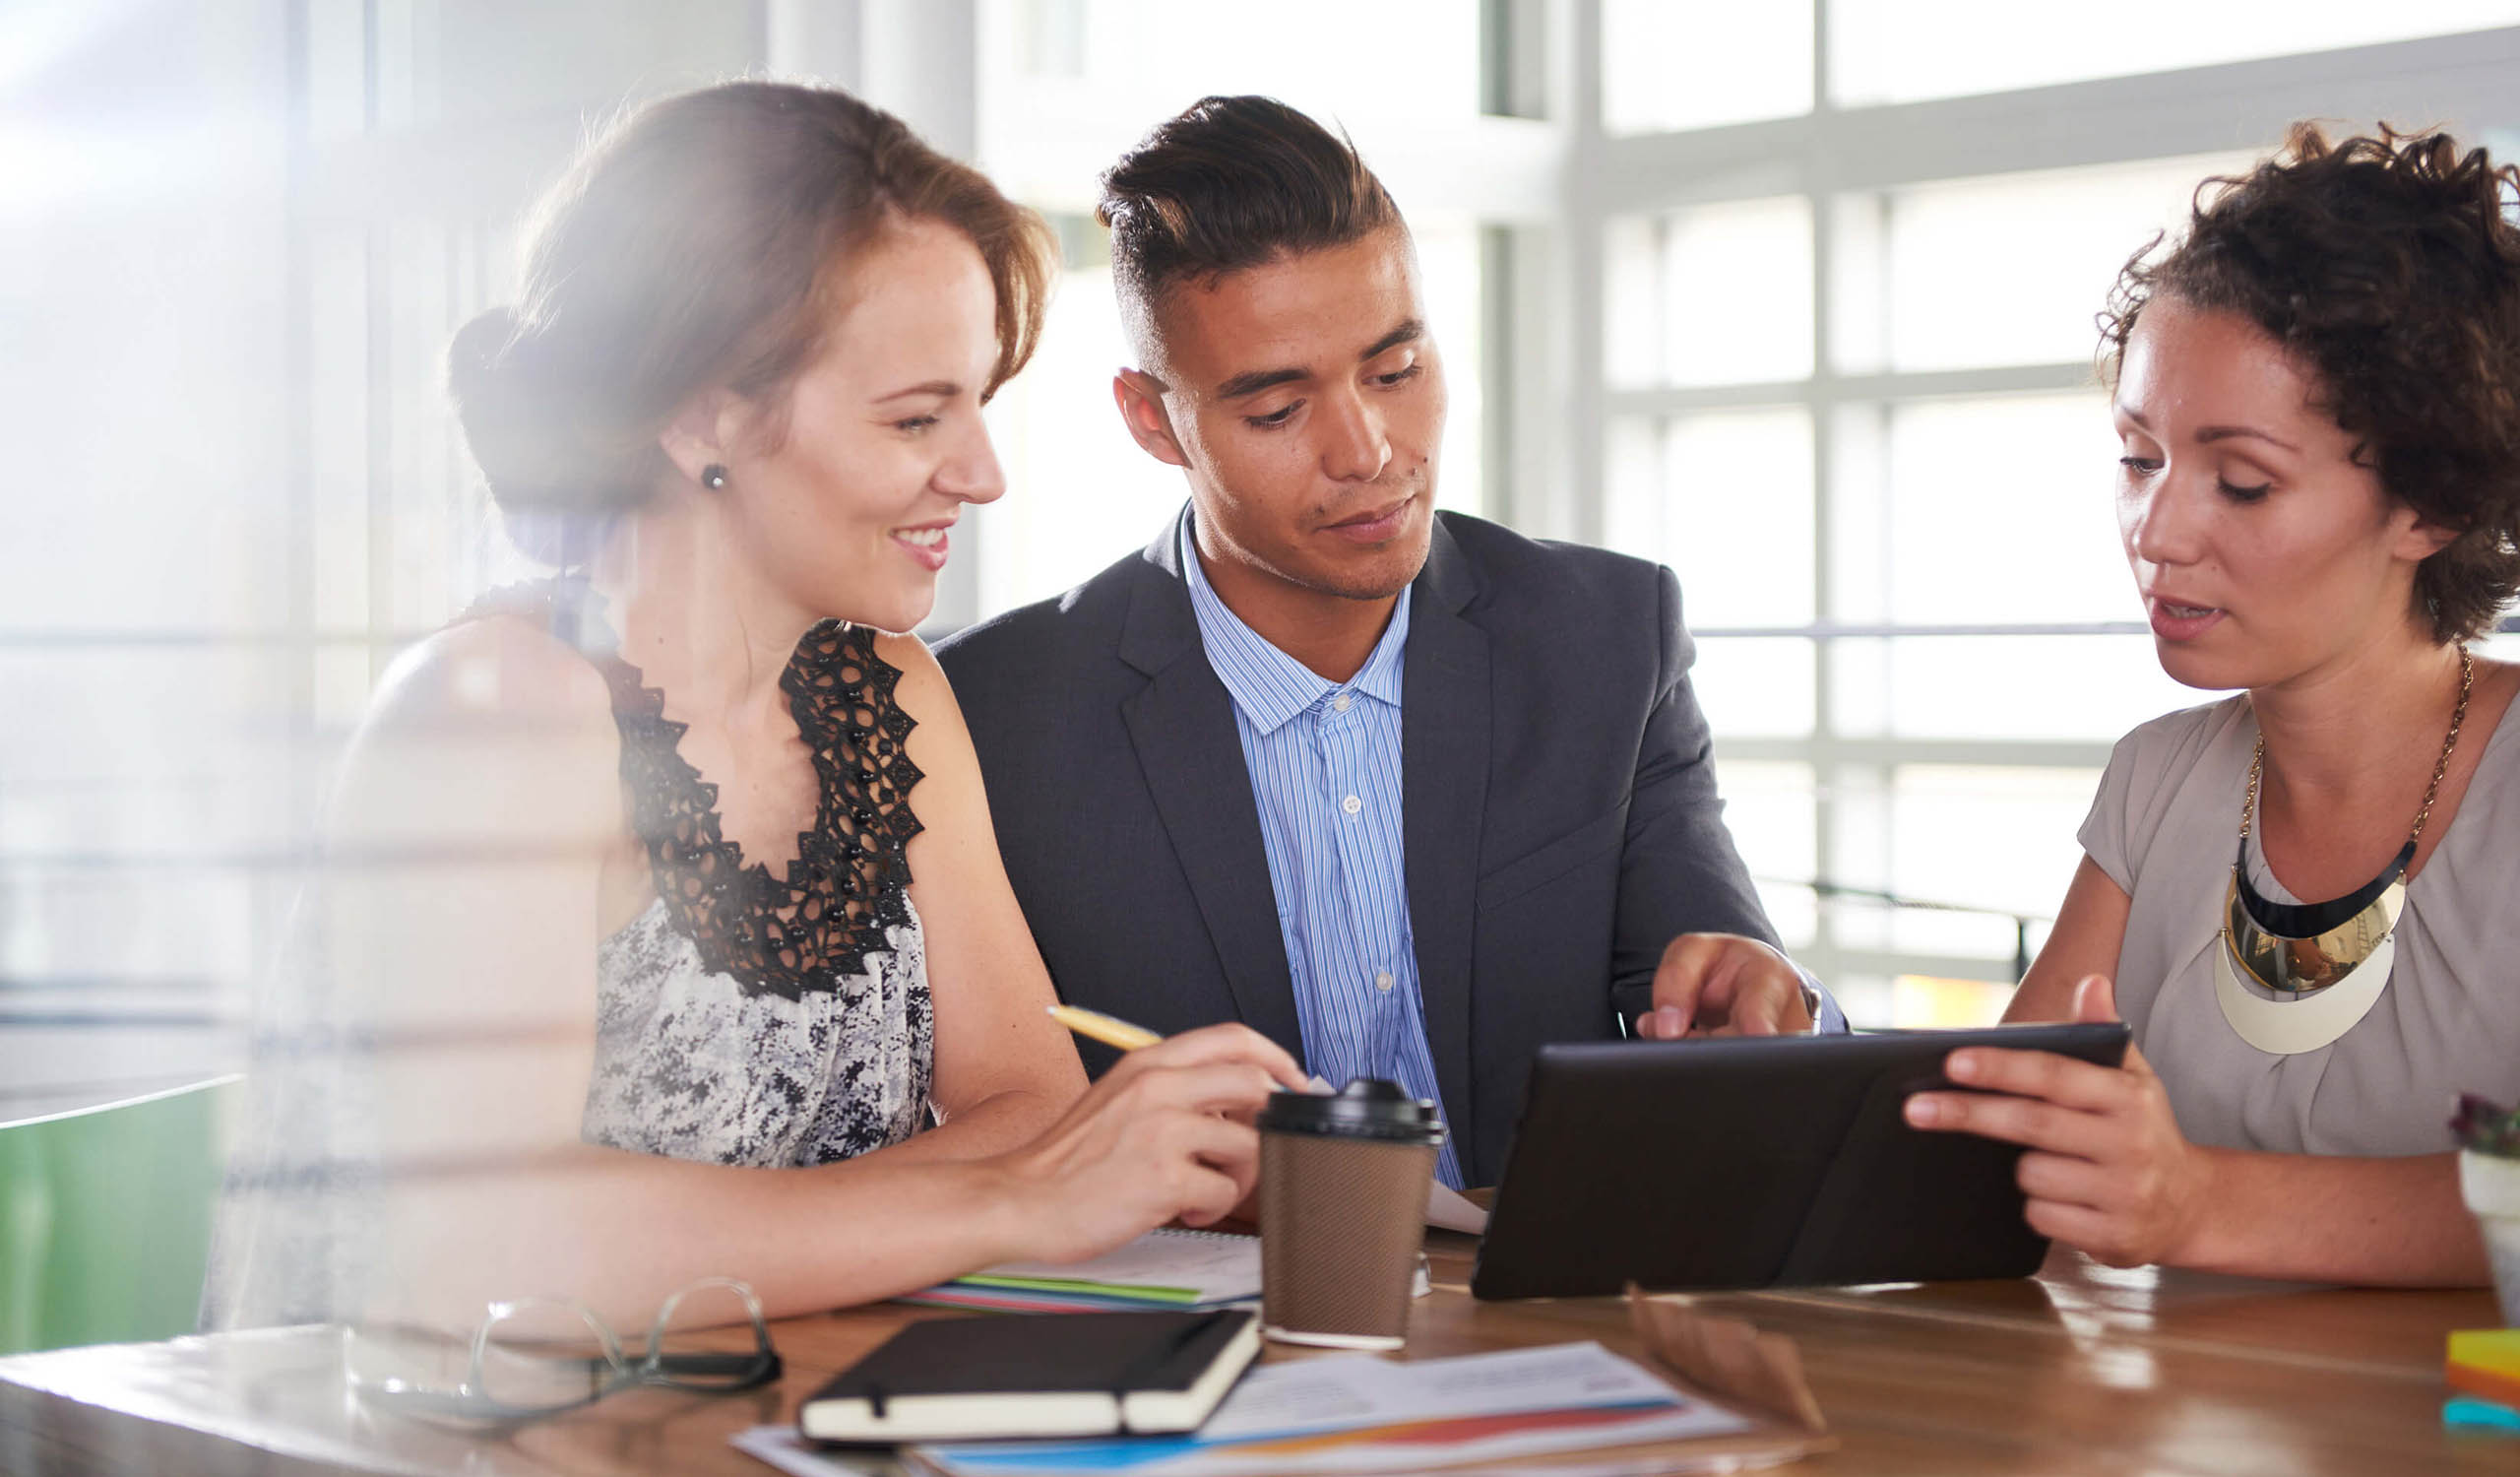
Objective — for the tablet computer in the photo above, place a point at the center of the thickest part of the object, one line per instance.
(1778, 1161)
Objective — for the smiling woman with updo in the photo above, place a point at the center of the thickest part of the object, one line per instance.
(682, 938)
(2300, 897)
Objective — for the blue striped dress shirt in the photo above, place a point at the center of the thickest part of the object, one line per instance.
(1325, 770)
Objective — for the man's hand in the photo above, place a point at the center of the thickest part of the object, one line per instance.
(1724, 984)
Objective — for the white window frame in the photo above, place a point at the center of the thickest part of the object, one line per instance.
(2461, 82)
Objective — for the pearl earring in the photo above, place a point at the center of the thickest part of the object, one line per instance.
(713, 477)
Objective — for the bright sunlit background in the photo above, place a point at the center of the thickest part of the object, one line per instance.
(1796, 296)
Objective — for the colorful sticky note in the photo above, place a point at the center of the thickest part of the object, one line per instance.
(2485, 1363)
(2475, 1414)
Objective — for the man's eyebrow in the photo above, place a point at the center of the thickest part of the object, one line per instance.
(1408, 329)
(1254, 382)
(945, 388)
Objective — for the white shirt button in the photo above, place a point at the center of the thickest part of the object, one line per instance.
(1340, 703)
(1352, 805)
(1382, 980)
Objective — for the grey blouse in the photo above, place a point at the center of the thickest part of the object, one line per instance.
(2163, 826)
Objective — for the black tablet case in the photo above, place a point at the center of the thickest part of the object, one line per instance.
(1757, 1162)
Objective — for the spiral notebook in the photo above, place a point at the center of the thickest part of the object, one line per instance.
(1166, 1267)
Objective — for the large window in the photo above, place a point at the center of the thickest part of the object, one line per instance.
(1796, 296)
(1846, 303)
(234, 243)
(1904, 50)
(234, 239)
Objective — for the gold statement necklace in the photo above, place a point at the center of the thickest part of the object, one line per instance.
(2293, 977)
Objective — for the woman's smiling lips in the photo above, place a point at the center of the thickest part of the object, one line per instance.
(1377, 526)
(2173, 621)
(926, 543)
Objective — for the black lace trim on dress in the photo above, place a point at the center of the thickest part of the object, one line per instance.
(849, 880)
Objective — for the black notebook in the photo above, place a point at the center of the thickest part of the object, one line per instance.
(1080, 1373)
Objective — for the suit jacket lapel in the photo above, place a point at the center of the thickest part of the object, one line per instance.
(1444, 742)
(1181, 723)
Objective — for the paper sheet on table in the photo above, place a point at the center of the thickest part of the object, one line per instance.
(1205, 1266)
(1445, 1206)
(790, 1452)
(1446, 1209)
(1359, 1413)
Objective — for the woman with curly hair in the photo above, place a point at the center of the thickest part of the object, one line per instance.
(2299, 897)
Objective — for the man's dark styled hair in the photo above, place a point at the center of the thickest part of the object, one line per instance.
(1229, 183)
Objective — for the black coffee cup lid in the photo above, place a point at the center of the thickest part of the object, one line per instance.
(1367, 1107)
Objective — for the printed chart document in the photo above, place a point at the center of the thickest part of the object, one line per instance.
(1357, 1413)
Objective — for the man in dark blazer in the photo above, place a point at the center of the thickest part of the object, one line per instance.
(1190, 757)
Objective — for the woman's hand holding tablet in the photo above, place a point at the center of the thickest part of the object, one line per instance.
(2106, 1167)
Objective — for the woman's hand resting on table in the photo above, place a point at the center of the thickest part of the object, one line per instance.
(1166, 1132)
(2107, 1168)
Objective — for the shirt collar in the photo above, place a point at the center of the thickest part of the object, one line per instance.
(1267, 686)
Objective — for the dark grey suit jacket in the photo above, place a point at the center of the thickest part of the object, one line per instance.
(1562, 820)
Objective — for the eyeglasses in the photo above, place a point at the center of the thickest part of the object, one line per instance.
(537, 1357)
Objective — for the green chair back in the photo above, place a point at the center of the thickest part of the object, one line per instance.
(105, 1216)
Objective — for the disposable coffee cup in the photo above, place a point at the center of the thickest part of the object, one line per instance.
(1343, 1212)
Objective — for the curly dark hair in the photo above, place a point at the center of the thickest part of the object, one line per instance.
(2388, 266)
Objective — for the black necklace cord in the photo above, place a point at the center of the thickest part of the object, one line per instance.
(2309, 919)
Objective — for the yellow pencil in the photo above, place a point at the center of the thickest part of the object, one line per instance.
(1109, 1030)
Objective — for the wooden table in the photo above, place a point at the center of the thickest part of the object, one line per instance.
(2084, 1369)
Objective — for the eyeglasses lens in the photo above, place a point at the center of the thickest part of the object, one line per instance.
(542, 1355)
(710, 1338)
